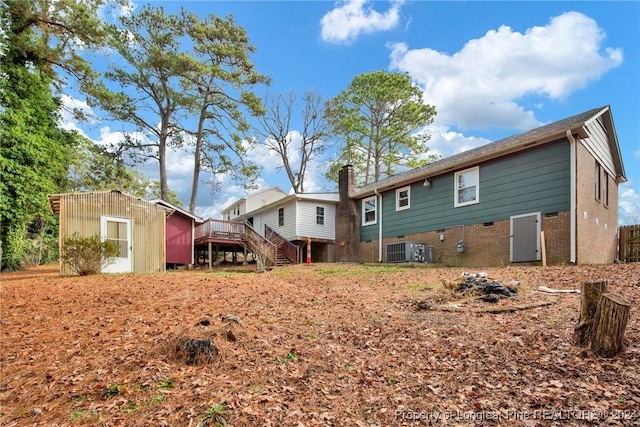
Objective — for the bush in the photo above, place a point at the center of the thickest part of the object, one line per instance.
(88, 255)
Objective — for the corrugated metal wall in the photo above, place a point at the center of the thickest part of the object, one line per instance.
(82, 213)
(179, 239)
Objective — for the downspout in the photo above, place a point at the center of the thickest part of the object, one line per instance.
(379, 226)
(572, 191)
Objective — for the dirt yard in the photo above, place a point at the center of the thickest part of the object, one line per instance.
(319, 345)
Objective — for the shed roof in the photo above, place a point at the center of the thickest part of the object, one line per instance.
(178, 209)
(543, 134)
(54, 200)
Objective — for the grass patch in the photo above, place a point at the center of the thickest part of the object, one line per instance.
(215, 416)
(157, 399)
(332, 270)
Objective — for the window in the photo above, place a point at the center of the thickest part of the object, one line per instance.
(605, 190)
(466, 187)
(319, 215)
(369, 210)
(403, 196)
(598, 181)
(280, 217)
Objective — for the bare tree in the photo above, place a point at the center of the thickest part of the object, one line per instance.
(278, 132)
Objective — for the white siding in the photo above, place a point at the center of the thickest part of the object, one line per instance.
(270, 217)
(263, 198)
(288, 230)
(307, 226)
(598, 145)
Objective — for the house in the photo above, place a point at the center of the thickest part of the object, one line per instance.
(252, 202)
(180, 234)
(548, 193)
(299, 219)
(136, 225)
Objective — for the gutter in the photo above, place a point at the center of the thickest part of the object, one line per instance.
(379, 196)
(572, 191)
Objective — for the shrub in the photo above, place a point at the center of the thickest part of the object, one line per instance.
(88, 255)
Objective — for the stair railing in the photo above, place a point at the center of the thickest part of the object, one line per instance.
(289, 250)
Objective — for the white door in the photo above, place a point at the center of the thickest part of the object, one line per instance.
(118, 230)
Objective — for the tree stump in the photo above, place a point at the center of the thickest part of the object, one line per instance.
(591, 293)
(607, 336)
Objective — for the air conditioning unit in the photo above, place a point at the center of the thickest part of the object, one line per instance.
(409, 252)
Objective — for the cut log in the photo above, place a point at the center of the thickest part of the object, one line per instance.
(607, 336)
(591, 293)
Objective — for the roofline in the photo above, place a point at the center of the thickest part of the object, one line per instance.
(492, 150)
(55, 207)
(287, 199)
(237, 202)
(176, 208)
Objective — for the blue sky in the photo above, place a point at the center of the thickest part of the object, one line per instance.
(491, 69)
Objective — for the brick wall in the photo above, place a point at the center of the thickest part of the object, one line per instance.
(596, 224)
(485, 245)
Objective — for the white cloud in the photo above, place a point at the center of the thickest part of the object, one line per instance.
(350, 18)
(628, 204)
(445, 143)
(267, 159)
(480, 85)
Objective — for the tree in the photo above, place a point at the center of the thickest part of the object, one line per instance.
(95, 168)
(379, 116)
(278, 133)
(148, 93)
(219, 81)
(39, 46)
(32, 155)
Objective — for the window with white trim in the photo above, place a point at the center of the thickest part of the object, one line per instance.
(403, 198)
(467, 187)
(369, 210)
(280, 217)
(319, 215)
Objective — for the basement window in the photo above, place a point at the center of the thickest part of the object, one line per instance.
(369, 210)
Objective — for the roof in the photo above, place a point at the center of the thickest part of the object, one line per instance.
(543, 134)
(253, 195)
(307, 197)
(176, 209)
(54, 199)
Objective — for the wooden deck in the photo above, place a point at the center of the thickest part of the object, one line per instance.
(217, 235)
(219, 231)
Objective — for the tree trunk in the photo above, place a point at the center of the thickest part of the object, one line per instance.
(607, 337)
(591, 293)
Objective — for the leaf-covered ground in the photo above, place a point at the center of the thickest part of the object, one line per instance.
(321, 345)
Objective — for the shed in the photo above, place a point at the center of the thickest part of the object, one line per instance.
(138, 226)
(180, 234)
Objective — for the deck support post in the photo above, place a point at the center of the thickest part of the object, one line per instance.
(209, 255)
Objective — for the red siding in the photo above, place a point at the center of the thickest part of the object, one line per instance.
(179, 239)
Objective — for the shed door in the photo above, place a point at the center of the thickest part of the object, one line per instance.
(525, 237)
(118, 230)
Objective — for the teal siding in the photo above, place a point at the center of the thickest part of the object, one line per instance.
(535, 180)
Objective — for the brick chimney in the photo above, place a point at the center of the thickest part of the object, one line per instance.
(347, 219)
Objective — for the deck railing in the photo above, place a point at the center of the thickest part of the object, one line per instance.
(267, 245)
(219, 228)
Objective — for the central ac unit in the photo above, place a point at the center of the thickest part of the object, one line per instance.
(409, 252)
